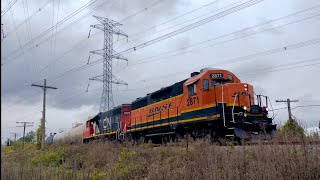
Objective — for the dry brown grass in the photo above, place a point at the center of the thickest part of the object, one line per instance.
(198, 160)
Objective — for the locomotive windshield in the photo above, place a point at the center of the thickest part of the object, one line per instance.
(217, 82)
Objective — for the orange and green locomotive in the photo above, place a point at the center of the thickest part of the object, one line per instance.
(211, 103)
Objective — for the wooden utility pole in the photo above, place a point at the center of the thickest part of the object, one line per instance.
(43, 120)
(288, 102)
(24, 130)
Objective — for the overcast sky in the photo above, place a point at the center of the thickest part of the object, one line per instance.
(273, 45)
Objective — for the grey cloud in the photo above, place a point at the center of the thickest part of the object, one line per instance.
(268, 28)
(17, 76)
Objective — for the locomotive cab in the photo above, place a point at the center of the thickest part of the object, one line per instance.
(221, 93)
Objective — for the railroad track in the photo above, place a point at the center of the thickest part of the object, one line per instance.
(183, 144)
(283, 143)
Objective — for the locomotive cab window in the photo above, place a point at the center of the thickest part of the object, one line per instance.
(205, 85)
(215, 83)
(230, 77)
(192, 89)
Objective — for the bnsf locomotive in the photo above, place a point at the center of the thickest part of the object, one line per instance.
(211, 103)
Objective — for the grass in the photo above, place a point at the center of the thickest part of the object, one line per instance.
(185, 160)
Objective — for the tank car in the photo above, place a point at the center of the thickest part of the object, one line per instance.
(70, 136)
(49, 139)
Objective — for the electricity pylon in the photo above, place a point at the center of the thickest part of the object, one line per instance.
(107, 78)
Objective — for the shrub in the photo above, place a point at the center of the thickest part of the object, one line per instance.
(54, 158)
(97, 175)
(121, 167)
(292, 129)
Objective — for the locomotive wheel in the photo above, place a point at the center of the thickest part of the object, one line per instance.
(139, 140)
(238, 140)
(221, 142)
(214, 137)
(189, 137)
(177, 137)
(165, 139)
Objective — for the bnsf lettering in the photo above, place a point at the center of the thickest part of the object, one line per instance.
(158, 109)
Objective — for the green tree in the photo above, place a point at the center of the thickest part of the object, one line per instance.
(39, 135)
(292, 129)
(29, 137)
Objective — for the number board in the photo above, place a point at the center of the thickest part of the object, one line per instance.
(216, 75)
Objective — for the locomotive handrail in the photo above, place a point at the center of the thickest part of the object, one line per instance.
(273, 116)
(234, 102)
(224, 117)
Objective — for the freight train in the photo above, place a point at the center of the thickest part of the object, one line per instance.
(212, 103)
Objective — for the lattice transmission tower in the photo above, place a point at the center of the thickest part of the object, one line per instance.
(109, 27)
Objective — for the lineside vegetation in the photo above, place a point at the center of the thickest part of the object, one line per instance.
(183, 160)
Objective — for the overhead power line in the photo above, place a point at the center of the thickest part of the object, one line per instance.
(18, 37)
(224, 13)
(28, 26)
(172, 19)
(245, 29)
(147, 59)
(301, 66)
(146, 8)
(94, 62)
(81, 18)
(251, 56)
(177, 17)
(133, 35)
(312, 105)
(206, 41)
(132, 15)
(29, 17)
(229, 61)
(9, 6)
(34, 45)
(141, 10)
(52, 28)
(194, 25)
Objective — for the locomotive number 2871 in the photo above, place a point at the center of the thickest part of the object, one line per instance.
(192, 101)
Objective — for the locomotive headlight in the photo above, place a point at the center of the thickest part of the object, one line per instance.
(245, 85)
(267, 109)
(245, 108)
(245, 114)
